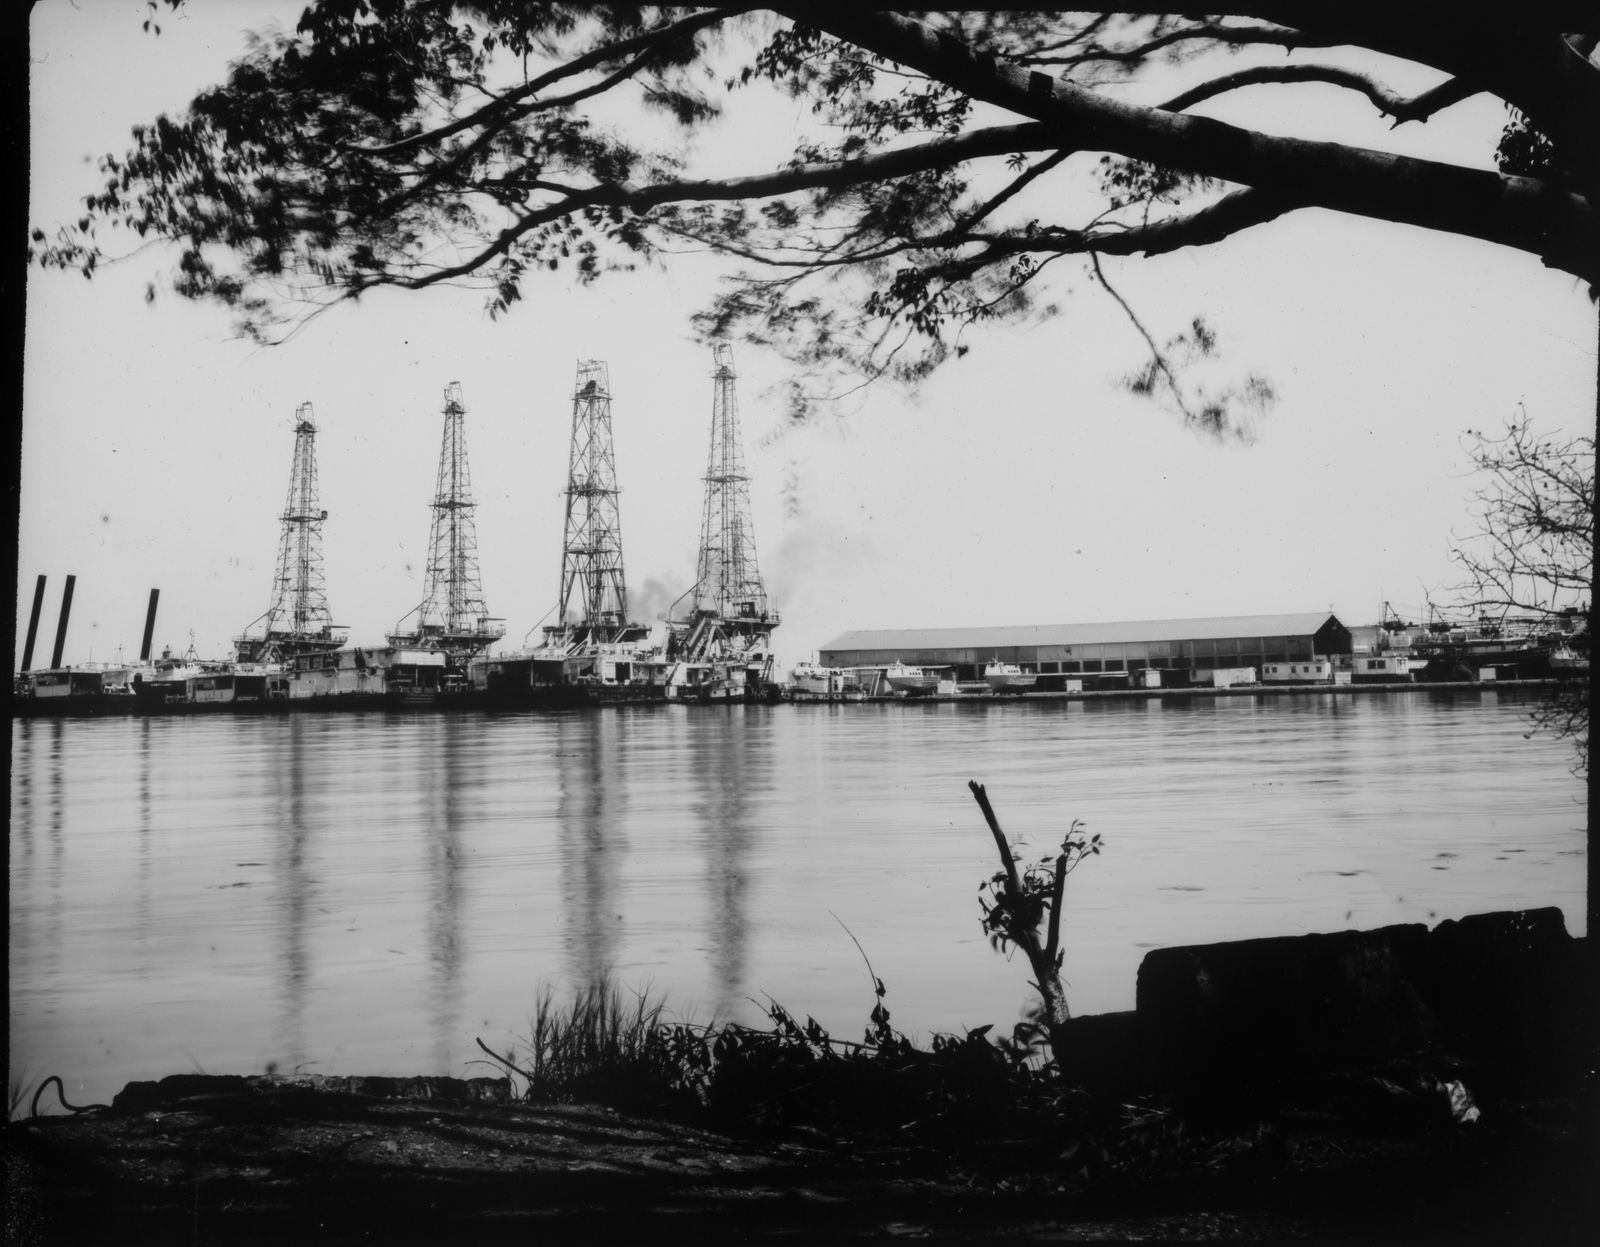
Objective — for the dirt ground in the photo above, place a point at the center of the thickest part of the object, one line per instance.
(223, 1161)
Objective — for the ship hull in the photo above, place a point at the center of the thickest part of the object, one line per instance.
(1007, 678)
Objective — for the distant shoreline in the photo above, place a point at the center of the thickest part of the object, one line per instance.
(360, 703)
(1238, 690)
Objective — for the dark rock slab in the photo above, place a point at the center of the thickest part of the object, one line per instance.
(1269, 1009)
(1498, 989)
(1507, 989)
(1112, 1053)
(139, 1097)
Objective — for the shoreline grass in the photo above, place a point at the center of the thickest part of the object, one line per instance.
(616, 1047)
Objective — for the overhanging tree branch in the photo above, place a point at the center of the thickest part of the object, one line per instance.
(1559, 227)
(504, 108)
(640, 199)
(332, 161)
(1228, 36)
(1401, 108)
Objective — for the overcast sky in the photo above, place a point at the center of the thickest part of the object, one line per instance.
(1021, 486)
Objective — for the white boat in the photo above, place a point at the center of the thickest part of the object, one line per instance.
(812, 680)
(1007, 677)
(913, 681)
(1566, 660)
(167, 678)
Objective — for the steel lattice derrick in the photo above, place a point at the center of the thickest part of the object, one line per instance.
(453, 615)
(594, 593)
(298, 618)
(729, 599)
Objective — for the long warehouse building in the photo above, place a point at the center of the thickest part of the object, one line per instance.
(1106, 650)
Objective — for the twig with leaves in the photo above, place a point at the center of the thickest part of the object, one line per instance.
(1019, 899)
(882, 1033)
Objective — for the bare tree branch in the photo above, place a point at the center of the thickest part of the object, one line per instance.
(1534, 549)
(1157, 356)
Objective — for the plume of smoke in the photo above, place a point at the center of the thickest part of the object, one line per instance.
(652, 598)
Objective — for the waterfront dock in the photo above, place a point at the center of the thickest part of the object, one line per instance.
(107, 706)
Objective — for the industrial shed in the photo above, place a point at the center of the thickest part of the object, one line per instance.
(1100, 649)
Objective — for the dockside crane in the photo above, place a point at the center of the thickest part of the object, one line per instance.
(452, 616)
(298, 621)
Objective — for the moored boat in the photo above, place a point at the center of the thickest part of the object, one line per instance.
(405, 675)
(809, 679)
(1511, 647)
(1007, 677)
(912, 681)
(1567, 661)
(169, 677)
(67, 691)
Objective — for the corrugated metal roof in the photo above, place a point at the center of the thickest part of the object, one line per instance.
(1301, 624)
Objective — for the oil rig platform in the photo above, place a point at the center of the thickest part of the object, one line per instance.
(298, 621)
(452, 617)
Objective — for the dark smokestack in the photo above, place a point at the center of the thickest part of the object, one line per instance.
(149, 626)
(61, 628)
(33, 625)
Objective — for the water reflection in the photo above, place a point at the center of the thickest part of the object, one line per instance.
(54, 893)
(56, 827)
(591, 773)
(22, 819)
(22, 767)
(442, 793)
(699, 850)
(296, 888)
(730, 757)
(146, 763)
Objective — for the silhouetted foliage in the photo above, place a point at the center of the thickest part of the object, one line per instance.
(1022, 906)
(1533, 554)
(602, 1048)
(408, 143)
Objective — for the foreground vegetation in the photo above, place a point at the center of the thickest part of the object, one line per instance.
(610, 1047)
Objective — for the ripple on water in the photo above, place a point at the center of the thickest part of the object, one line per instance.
(367, 894)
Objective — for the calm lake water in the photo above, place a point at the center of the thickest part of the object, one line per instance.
(369, 893)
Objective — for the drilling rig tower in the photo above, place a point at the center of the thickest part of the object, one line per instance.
(592, 608)
(298, 621)
(729, 616)
(452, 616)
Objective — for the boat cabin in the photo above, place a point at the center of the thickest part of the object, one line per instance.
(65, 682)
(383, 670)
